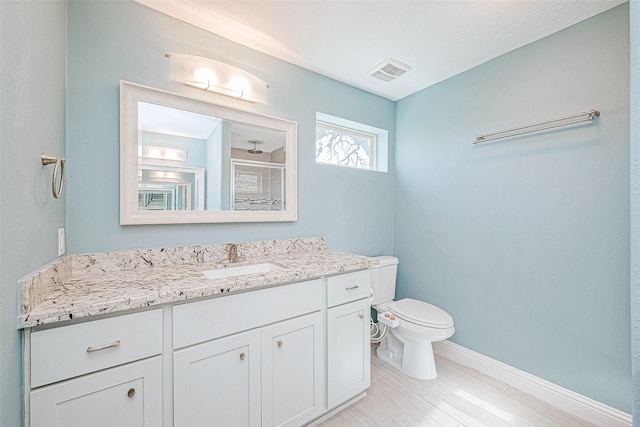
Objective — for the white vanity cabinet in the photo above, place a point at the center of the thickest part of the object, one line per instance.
(102, 373)
(250, 359)
(274, 356)
(348, 348)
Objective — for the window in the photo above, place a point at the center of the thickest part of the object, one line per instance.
(248, 182)
(341, 146)
(342, 142)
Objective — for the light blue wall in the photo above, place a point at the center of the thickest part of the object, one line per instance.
(196, 148)
(525, 242)
(634, 12)
(482, 231)
(32, 120)
(109, 41)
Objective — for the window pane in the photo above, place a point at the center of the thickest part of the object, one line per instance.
(344, 147)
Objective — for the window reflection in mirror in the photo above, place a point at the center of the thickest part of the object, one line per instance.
(257, 185)
(185, 160)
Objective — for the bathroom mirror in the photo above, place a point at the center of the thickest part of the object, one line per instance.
(185, 160)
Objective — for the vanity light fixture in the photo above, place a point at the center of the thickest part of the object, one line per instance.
(218, 77)
(162, 153)
(164, 175)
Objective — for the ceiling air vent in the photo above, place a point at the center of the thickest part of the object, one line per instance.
(389, 69)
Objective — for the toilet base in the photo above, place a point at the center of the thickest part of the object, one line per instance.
(414, 359)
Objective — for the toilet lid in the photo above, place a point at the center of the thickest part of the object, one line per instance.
(421, 313)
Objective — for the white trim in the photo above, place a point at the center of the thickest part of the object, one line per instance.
(335, 410)
(567, 400)
(26, 366)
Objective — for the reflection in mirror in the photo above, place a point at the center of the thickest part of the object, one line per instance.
(200, 162)
(188, 152)
(169, 188)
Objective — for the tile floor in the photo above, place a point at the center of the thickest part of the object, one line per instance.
(460, 396)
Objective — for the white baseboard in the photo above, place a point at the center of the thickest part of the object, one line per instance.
(567, 400)
(337, 409)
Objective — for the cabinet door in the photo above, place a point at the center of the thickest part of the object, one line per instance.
(292, 371)
(129, 395)
(217, 383)
(348, 351)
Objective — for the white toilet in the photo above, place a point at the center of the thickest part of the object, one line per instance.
(407, 347)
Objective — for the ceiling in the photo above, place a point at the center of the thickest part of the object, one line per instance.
(344, 40)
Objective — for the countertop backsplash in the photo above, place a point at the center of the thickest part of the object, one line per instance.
(144, 258)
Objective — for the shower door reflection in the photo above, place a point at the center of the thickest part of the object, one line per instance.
(257, 186)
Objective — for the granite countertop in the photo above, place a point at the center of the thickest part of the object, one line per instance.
(96, 284)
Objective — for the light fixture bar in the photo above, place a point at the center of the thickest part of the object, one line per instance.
(217, 77)
(162, 153)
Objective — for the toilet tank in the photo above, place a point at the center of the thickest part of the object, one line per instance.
(383, 279)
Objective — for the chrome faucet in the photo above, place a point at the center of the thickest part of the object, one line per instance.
(233, 253)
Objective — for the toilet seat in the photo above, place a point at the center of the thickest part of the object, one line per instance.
(421, 313)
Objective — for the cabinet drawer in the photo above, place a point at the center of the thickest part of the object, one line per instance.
(129, 395)
(69, 351)
(348, 287)
(205, 320)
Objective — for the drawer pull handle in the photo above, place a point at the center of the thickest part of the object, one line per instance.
(103, 347)
(280, 343)
(242, 356)
(350, 288)
(131, 392)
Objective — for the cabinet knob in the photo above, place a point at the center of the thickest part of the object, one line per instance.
(131, 392)
(361, 316)
(242, 356)
(280, 343)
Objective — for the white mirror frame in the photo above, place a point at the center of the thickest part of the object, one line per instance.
(130, 95)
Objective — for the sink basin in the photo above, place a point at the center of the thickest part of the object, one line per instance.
(221, 273)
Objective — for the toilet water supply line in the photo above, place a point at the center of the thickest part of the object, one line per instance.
(376, 333)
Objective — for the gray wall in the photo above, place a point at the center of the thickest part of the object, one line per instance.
(109, 41)
(32, 120)
(525, 242)
(635, 206)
